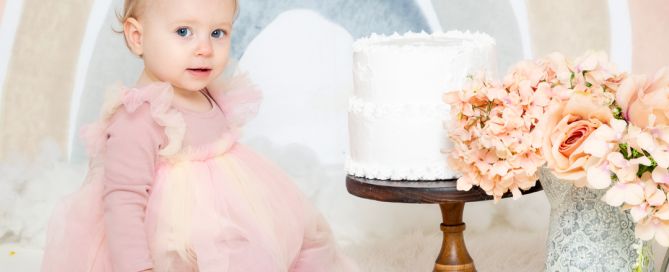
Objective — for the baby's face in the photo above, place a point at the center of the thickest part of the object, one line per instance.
(186, 43)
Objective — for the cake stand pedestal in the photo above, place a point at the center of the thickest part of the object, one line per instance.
(453, 255)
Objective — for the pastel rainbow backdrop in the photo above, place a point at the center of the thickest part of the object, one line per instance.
(47, 50)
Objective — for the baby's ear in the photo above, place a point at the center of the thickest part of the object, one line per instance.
(133, 32)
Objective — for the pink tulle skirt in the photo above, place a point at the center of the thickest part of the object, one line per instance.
(232, 211)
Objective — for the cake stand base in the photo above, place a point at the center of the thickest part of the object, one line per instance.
(453, 255)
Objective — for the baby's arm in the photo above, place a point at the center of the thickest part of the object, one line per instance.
(131, 152)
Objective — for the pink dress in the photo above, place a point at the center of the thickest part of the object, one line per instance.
(172, 190)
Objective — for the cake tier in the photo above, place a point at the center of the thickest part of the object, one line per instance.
(417, 67)
(397, 142)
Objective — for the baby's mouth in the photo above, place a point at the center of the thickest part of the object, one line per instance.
(199, 69)
(200, 72)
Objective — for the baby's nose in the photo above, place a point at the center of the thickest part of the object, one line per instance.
(204, 48)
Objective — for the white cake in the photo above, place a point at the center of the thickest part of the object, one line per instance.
(396, 114)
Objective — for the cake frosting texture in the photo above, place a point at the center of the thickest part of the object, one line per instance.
(396, 113)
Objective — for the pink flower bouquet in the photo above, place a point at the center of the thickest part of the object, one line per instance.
(588, 124)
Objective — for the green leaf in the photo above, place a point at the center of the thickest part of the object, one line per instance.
(623, 150)
(646, 168)
(635, 154)
(571, 80)
(617, 111)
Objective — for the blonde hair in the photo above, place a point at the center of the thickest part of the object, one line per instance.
(131, 9)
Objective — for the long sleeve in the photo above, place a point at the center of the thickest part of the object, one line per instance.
(131, 152)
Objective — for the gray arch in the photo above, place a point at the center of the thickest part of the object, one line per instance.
(490, 16)
(360, 18)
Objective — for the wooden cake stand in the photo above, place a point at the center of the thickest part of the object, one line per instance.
(453, 255)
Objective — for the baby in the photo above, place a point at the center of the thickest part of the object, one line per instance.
(169, 187)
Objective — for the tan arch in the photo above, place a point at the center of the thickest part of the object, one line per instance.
(650, 35)
(40, 74)
(568, 26)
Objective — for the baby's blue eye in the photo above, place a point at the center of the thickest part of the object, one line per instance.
(184, 32)
(218, 33)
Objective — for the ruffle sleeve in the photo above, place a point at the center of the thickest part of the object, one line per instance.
(238, 98)
(159, 97)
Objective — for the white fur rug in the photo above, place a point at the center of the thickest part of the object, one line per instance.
(413, 251)
(497, 250)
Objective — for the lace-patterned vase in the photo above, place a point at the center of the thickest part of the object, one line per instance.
(586, 234)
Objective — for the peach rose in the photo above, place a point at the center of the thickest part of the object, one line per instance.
(642, 100)
(568, 125)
